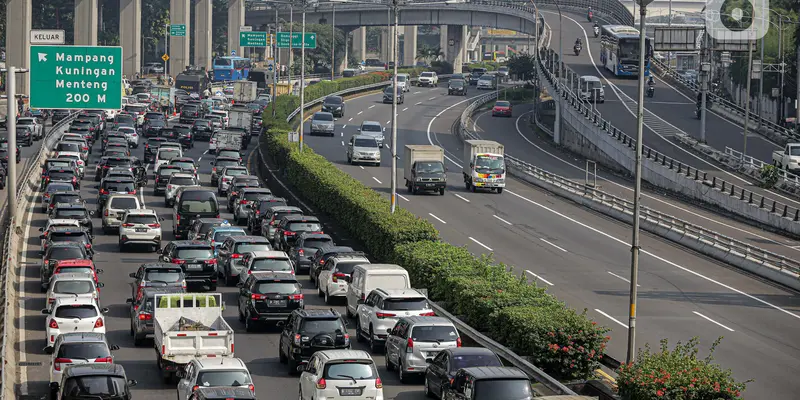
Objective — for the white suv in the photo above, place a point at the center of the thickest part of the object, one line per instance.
(225, 371)
(175, 182)
(428, 79)
(142, 226)
(72, 315)
(335, 274)
(350, 374)
(381, 310)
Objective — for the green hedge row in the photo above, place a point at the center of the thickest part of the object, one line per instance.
(563, 342)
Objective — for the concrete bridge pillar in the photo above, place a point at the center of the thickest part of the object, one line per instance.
(360, 43)
(235, 20)
(130, 35)
(18, 45)
(202, 34)
(85, 23)
(443, 41)
(179, 13)
(386, 44)
(409, 45)
(456, 45)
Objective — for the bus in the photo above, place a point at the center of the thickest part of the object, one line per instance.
(619, 51)
(231, 68)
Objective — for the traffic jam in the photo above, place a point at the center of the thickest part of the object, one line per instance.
(222, 229)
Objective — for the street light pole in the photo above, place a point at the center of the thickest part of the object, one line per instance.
(11, 128)
(291, 49)
(394, 109)
(747, 97)
(333, 43)
(276, 64)
(637, 186)
(557, 130)
(302, 77)
(166, 50)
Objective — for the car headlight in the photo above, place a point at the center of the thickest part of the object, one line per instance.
(418, 179)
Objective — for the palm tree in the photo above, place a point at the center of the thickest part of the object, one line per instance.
(429, 53)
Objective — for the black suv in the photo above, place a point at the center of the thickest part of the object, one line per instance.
(156, 275)
(75, 210)
(189, 113)
(261, 208)
(191, 204)
(202, 129)
(153, 127)
(292, 225)
(71, 234)
(232, 251)
(184, 133)
(162, 178)
(114, 186)
(307, 331)
(197, 260)
(305, 247)
(268, 297)
(81, 382)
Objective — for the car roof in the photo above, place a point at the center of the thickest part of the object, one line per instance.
(322, 113)
(370, 123)
(107, 369)
(218, 363)
(74, 276)
(435, 321)
(141, 211)
(295, 217)
(269, 254)
(81, 337)
(226, 158)
(275, 276)
(400, 293)
(191, 243)
(318, 313)
(64, 244)
(482, 373)
(367, 137)
(75, 263)
(60, 301)
(59, 229)
(345, 354)
(152, 291)
(248, 238)
(223, 392)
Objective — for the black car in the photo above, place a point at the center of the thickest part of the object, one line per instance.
(74, 210)
(107, 163)
(202, 129)
(151, 147)
(153, 127)
(290, 226)
(457, 86)
(73, 197)
(238, 183)
(66, 234)
(56, 252)
(63, 175)
(58, 115)
(219, 164)
(268, 297)
(306, 246)
(388, 95)
(260, 210)
(142, 310)
(334, 105)
(193, 203)
(156, 275)
(197, 260)
(114, 186)
(93, 381)
(484, 383)
(162, 178)
(443, 369)
(185, 137)
(317, 329)
(189, 113)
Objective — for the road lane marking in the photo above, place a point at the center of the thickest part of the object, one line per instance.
(351, 118)
(480, 244)
(403, 197)
(432, 98)
(371, 107)
(506, 222)
(21, 303)
(539, 278)
(437, 218)
(418, 103)
(405, 109)
(712, 321)
(388, 122)
(552, 244)
(341, 134)
(621, 277)
(360, 112)
(342, 142)
(611, 318)
(387, 147)
(376, 180)
(344, 126)
(361, 166)
(461, 197)
(417, 92)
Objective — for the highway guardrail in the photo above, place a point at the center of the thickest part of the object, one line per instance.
(758, 261)
(13, 231)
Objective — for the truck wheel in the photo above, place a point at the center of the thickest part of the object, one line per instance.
(499, 190)
(473, 188)
(467, 185)
(414, 190)
(441, 192)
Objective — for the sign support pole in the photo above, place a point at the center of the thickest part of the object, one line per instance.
(302, 78)
(166, 51)
(11, 127)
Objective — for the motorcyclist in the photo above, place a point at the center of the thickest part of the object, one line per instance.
(596, 29)
(651, 82)
(590, 14)
(578, 42)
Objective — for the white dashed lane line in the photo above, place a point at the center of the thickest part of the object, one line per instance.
(432, 98)
(403, 197)
(372, 106)
(405, 109)
(342, 142)
(504, 221)
(461, 197)
(601, 312)
(360, 112)
(376, 180)
(552, 244)
(437, 218)
(712, 321)
(621, 277)
(539, 277)
(418, 103)
(349, 119)
(480, 244)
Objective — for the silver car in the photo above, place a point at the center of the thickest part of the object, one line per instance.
(175, 182)
(115, 208)
(415, 341)
(374, 130)
(53, 188)
(322, 122)
(37, 128)
(363, 149)
(226, 177)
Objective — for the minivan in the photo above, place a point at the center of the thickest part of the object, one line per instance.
(591, 89)
(192, 203)
(366, 277)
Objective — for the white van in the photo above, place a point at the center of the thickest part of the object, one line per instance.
(366, 277)
(591, 89)
(165, 154)
(404, 82)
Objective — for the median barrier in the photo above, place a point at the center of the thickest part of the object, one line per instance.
(765, 264)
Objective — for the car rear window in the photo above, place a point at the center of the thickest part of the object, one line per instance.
(61, 176)
(141, 219)
(226, 163)
(243, 248)
(66, 198)
(264, 287)
(370, 128)
(76, 237)
(118, 162)
(235, 172)
(183, 164)
(124, 203)
(168, 171)
(254, 195)
(51, 188)
(349, 370)
(474, 360)
(229, 153)
(434, 333)
(57, 164)
(167, 154)
(119, 186)
(70, 213)
(68, 147)
(271, 264)
(347, 267)
(198, 201)
(305, 226)
(168, 275)
(195, 253)
(77, 287)
(66, 253)
(224, 378)
(76, 311)
(314, 326)
(405, 304)
(366, 143)
(317, 243)
(182, 180)
(502, 389)
(219, 236)
(83, 351)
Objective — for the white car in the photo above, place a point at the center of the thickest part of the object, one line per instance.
(130, 135)
(73, 315)
(164, 154)
(335, 374)
(115, 208)
(79, 348)
(74, 156)
(211, 372)
(381, 310)
(428, 79)
(404, 82)
(73, 286)
(175, 182)
(142, 226)
(223, 115)
(110, 115)
(226, 177)
(333, 275)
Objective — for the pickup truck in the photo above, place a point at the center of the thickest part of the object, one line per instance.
(423, 168)
(487, 166)
(189, 326)
(428, 79)
(788, 159)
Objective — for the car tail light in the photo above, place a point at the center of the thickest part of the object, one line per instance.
(243, 202)
(458, 342)
(321, 383)
(132, 192)
(53, 324)
(410, 345)
(288, 233)
(183, 284)
(250, 386)
(258, 297)
(104, 360)
(212, 261)
(235, 255)
(297, 338)
(195, 387)
(98, 323)
(105, 213)
(127, 225)
(103, 191)
(51, 300)
(58, 361)
(144, 316)
(301, 252)
(155, 225)
(381, 315)
(169, 187)
(378, 383)
(296, 296)
(88, 245)
(428, 314)
(178, 261)
(338, 275)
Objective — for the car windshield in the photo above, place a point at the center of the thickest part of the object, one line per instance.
(271, 264)
(76, 311)
(304, 226)
(195, 253)
(492, 163)
(486, 77)
(333, 100)
(235, 172)
(405, 304)
(503, 389)
(141, 219)
(347, 267)
(69, 287)
(323, 117)
(474, 360)
(401, 78)
(276, 287)
(371, 128)
(219, 236)
(457, 84)
(350, 370)
(124, 203)
(164, 275)
(75, 237)
(66, 253)
(427, 74)
(83, 351)
(366, 143)
(168, 154)
(229, 153)
(223, 378)
(502, 104)
(97, 386)
(434, 333)
(430, 167)
(314, 326)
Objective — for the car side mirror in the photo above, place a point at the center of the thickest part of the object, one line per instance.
(132, 382)
(42, 236)
(54, 386)
(180, 374)
(99, 271)
(158, 251)
(239, 285)
(104, 310)
(114, 347)
(41, 229)
(45, 311)
(101, 285)
(389, 331)
(446, 169)
(129, 300)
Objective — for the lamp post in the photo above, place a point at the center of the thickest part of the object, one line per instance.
(333, 43)
(394, 108)
(302, 76)
(557, 130)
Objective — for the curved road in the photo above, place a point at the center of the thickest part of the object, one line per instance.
(582, 257)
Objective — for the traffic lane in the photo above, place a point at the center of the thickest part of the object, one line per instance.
(523, 142)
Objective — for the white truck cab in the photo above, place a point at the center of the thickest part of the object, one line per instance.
(487, 165)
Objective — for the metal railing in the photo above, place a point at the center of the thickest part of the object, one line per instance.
(756, 164)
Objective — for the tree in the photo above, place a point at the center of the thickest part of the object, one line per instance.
(155, 17)
(522, 66)
(429, 53)
(319, 60)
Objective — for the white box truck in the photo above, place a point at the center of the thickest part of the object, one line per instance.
(189, 326)
(225, 140)
(240, 118)
(245, 91)
(423, 168)
(484, 165)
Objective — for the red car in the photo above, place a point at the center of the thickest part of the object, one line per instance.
(502, 108)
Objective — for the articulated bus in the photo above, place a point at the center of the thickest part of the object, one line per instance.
(231, 68)
(619, 51)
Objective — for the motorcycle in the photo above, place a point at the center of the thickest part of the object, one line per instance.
(590, 16)
(596, 31)
(577, 49)
(651, 90)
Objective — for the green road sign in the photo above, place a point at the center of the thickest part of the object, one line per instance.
(76, 77)
(177, 30)
(254, 39)
(310, 40)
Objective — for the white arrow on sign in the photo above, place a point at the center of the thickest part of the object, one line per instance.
(42, 57)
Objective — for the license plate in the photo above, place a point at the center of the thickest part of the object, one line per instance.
(194, 266)
(429, 184)
(141, 229)
(276, 303)
(350, 391)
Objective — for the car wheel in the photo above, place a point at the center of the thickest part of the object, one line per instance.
(248, 323)
(441, 192)
(359, 335)
(427, 390)
(138, 340)
(281, 357)
(374, 346)
(319, 291)
(328, 299)
(389, 365)
(292, 366)
(241, 316)
(121, 247)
